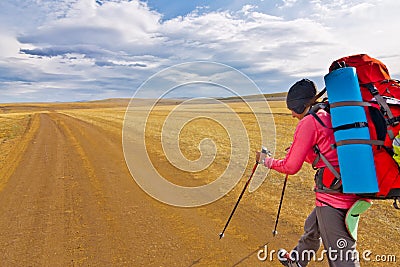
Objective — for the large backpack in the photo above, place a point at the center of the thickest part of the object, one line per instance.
(376, 86)
(382, 94)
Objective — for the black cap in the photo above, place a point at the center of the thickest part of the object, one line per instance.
(300, 95)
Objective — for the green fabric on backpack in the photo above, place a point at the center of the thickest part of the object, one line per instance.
(353, 216)
(396, 149)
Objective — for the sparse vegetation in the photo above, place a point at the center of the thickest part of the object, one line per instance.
(379, 228)
(12, 126)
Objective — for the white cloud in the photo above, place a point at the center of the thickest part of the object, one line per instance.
(112, 47)
(9, 46)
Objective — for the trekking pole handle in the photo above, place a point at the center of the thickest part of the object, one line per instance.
(263, 154)
(265, 151)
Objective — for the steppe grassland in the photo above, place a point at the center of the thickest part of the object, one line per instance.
(111, 119)
(14, 137)
(378, 228)
(12, 127)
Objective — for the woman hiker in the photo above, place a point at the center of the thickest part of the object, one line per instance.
(327, 220)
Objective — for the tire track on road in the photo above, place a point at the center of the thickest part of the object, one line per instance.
(113, 249)
(31, 231)
(71, 201)
(137, 222)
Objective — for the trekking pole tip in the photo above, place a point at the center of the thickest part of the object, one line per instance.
(221, 235)
(274, 233)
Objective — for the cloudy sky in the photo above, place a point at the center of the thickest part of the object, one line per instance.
(71, 50)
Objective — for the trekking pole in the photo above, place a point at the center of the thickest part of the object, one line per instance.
(221, 235)
(264, 151)
(275, 232)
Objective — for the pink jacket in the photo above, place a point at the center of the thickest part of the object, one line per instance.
(308, 133)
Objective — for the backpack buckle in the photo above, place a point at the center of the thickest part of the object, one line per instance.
(393, 121)
(371, 88)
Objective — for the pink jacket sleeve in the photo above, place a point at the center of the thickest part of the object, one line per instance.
(304, 139)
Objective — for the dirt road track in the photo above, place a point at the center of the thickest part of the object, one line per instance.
(72, 202)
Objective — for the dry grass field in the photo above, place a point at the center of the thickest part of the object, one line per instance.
(68, 199)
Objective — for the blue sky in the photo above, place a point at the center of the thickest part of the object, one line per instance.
(72, 50)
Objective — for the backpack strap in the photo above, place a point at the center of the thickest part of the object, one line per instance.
(316, 149)
(319, 106)
(325, 160)
(313, 101)
(323, 91)
(360, 141)
(338, 64)
(355, 124)
(336, 184)
(350, 126)
(350, 103)
(313, 112)
(393, 121)
(382, 103)
(334, 187)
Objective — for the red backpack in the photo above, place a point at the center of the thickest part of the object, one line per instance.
(382, 95)
(376, 86)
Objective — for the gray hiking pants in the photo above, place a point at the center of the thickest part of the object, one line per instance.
(328, 224)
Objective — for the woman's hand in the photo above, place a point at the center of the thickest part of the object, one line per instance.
(260, 157)
(264, 157)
